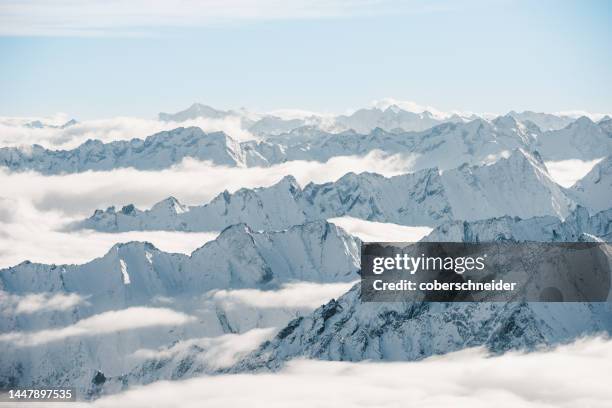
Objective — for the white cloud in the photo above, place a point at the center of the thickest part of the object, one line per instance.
(36, 208)
(567, 172)
(371, 231)
(138, 17)
(300, 295)
(27, 233)
(576, 375)
(107, 322)
(38, 302)
(81, 193)
(216, 352)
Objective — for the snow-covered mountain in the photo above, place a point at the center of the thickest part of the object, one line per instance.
(578, 226)
(595, 189)
(445, 146)
(159, 151)
(238, 258)
(582, 139)
(37, 124)
(389, 117)
(361, 121)
(518, 186)
(138, 297)
(195, 111)
(348, 330)
(545, 121)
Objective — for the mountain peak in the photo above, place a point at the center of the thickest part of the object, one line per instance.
(169, 205)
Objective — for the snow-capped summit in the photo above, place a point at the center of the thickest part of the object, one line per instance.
(168, 207)
(195, 111)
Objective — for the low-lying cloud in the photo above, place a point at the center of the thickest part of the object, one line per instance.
(35, 209)
(103, 323)
(575, 375)
(300, 295)
(215, 352)
(191, 181)
(27, 233)
(567, 172)
(13, 133)
(38, 302)
(372, 231)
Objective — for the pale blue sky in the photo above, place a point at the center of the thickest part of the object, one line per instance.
(478, 56)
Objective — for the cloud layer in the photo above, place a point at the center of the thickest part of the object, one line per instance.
(35, 209)
(13, 133)
(372, 231)
(38, 302)
(567, 172)
(576, 375)
(301, 295)
(27, 233)
(103, 323)
(216, 352)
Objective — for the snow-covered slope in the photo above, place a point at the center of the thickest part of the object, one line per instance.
(195, 111)
(362, 121)
(349, 330)
(159, 151)
(445, 146)
(391, 118)
(516, 186)
(582, 139)
(545, 121)
(238, 258)
(578, 226)
(138, 297)
(595, 189)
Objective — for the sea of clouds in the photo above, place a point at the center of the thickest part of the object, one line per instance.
(568, 376)
(35, 209)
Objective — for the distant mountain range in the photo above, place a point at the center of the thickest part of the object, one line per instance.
(139, 314)
(515, 186)
(445, 146)
(390, 117)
